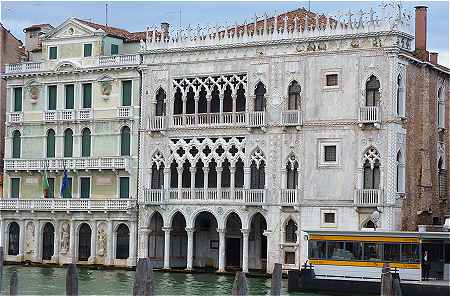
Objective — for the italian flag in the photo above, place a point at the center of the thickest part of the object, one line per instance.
(45, 184)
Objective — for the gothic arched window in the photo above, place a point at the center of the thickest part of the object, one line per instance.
(400, 173)
(160, 103)
(441, 108)
(400, 96)
(294, 96)
(257, 170)
(372, 91)
(371, 169)
(260, 100)
(290, 232)
(292, 172)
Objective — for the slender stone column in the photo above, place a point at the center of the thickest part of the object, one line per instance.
(193, 170)
(205, 181)
(180, 181)
(283, 178)
(93, 242)
(247, 177)
(221, 250)
(245, 233)
(72, 242)
(190, 248)
(219, 182)
(196, 108)
(166, 178)
(221, 107)
(109, 244)
(2, 233)
(232, 179)
(149, 178)
(166, 247)
(234, 96)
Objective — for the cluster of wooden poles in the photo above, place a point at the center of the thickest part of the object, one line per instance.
(143, 283)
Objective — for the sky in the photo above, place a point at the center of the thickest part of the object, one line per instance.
(137, 15)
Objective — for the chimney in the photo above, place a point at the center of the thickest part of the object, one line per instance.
(165, 30)
(434, 58)
(421, 33)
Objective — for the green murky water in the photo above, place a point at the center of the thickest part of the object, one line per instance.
(51, 281)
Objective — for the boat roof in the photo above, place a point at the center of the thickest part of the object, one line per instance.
(422, 235)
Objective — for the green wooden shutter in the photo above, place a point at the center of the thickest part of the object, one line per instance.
(87, 50)
(15, 187)
(51, 187)
(68, 192)
(114, 49)
(125, 141)
(16, 144)
(52, 99)
(86, 143)
(85, 187)
(87, 95)
(17, 99)
(68, 143)
(53, 54)
(124, 187)
(51, 143)
(69, 90)
(126, 93)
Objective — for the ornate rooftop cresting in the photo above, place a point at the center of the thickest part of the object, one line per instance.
(291, 25)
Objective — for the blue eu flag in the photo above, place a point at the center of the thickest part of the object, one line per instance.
(65, 183)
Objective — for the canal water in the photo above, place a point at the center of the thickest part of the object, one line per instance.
(51, 281)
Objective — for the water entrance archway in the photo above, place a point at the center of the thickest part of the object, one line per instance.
(84, 242)
(48, 241)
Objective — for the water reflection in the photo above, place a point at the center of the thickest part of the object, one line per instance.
(51, 281)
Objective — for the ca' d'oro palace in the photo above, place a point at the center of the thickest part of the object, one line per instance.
(220, 146)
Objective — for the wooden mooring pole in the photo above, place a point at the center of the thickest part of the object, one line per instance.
(72, 280)
(13, 285)
(143, 282)
(277, 275)
(390, 283)
(240, 287)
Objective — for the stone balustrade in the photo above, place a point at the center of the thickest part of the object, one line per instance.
(292, 118)
(290, 197)
(369, 114)
(248, 197)
(368, 197)
(70, 163)
(15, 117)
(78, 63)
(68, 204)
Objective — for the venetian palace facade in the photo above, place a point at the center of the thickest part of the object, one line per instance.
(245, 136)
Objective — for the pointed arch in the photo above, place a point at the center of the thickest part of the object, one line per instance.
(400, 168)
(260, 100)
(371, 168)
(290, 231)
(160, 108)
(294, 90)
(13, 238)
(372, 91)
(257, 169)
(292, 166)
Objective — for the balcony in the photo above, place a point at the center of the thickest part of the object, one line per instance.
(67, 115)
(256, 118)
(247, 197)
(210, 119)
(291, 118)
(85, 114)
(70, 163)
(124, 112)
(369, 114)
(368, 197)
(15, 117)
(157, 123)
(51, 116)
(69, 204)
(290, 197)
(77, 63)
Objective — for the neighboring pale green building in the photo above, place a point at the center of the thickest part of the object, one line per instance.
(74, 107)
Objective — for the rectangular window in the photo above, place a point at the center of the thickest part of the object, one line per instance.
(353, 251)
(17, 99)
(87, 95)
(332, 79)
(124, 187)
(126, 93)
(15, 187)
(330, 153)
(335, 250)
(69, 93)
(329, 218)
(410, 253)
(372, 251)
(114, 49)
(52, 53)
(289, 258)
(51, 187)
(391, 252)
(68, 192)
(85, 187)
(317, 249)
(87, 50)
(52, 97)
